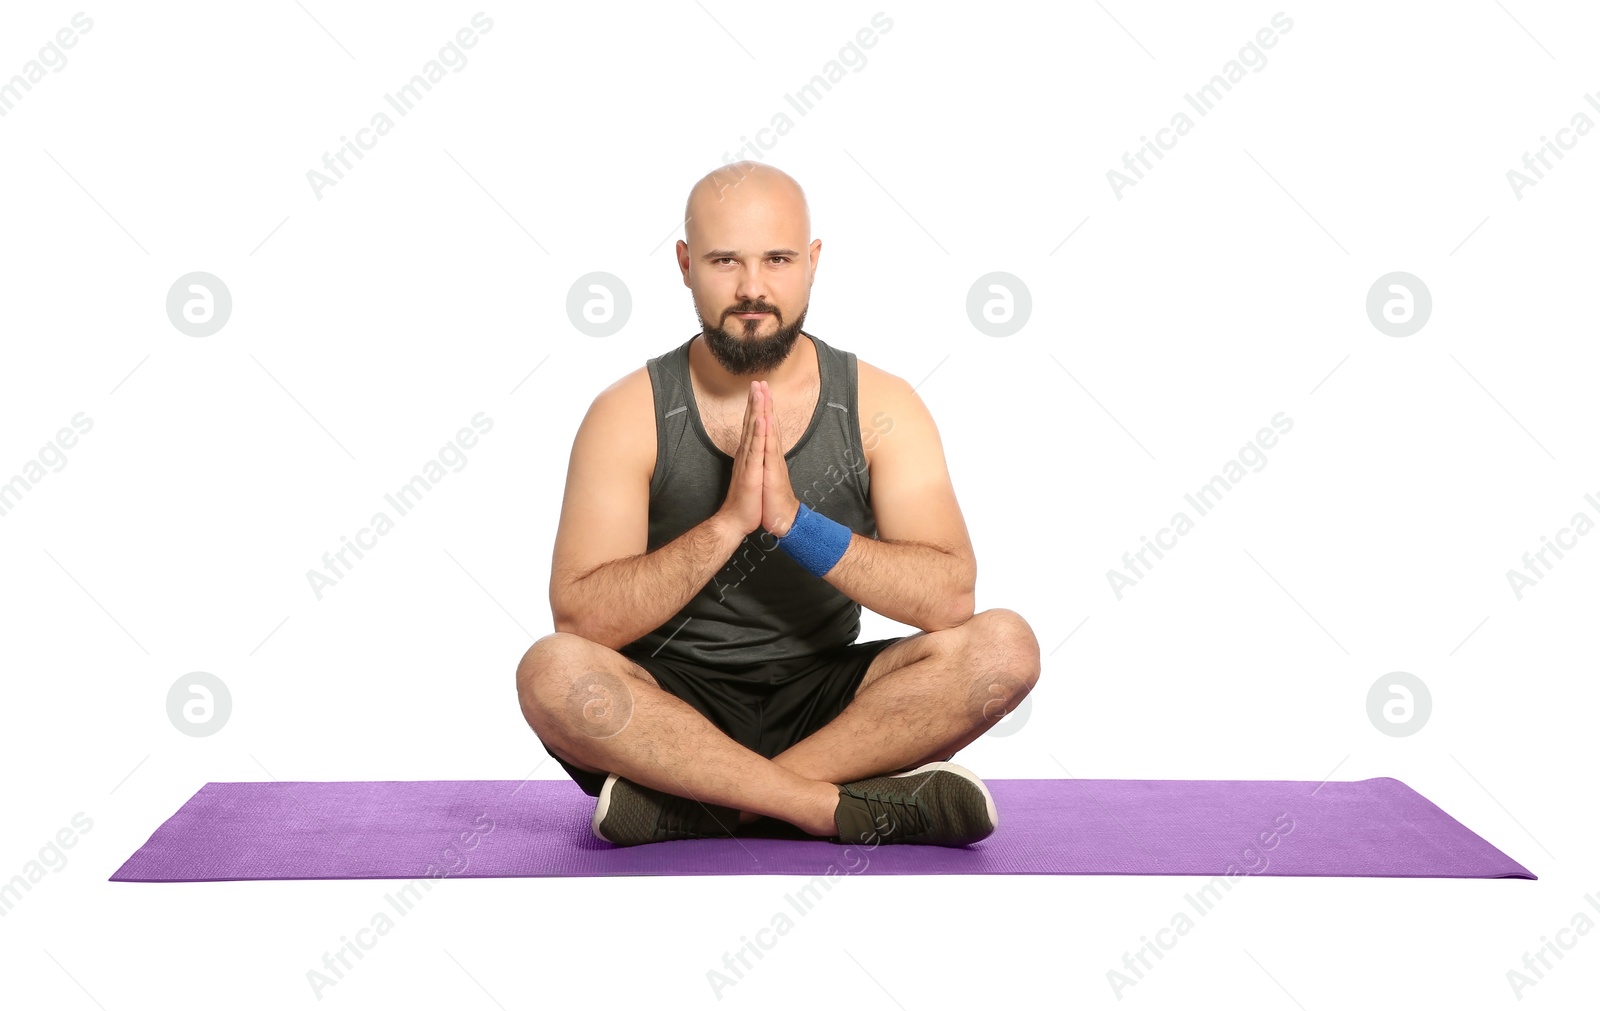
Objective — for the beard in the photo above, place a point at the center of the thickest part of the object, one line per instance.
(743, 353)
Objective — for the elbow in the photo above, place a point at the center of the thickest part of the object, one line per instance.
(567, 610)
(563, 623)
(571, 623)
(567, 618)
(957, 610)
(959, 604)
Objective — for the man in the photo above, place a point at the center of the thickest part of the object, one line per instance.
(729, 509)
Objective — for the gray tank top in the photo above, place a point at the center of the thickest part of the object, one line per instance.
(761, 607)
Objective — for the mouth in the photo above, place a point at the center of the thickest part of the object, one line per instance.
(752, 315)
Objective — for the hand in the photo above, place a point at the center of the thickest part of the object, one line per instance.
(742, 509)
(779, 507)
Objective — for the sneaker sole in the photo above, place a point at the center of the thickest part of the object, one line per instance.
(964, 773)
(602, 805)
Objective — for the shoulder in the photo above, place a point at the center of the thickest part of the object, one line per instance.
(621, 420)
(874, 385)
(882, 397)
(629, 393)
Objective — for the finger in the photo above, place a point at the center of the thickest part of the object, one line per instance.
(750, 408)
(758, 432)
(772, 413)
(772, 424)
(769, 418)
(752, 420)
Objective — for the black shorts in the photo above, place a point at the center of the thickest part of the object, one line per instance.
(767, 707)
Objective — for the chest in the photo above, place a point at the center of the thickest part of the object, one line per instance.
(724, 423)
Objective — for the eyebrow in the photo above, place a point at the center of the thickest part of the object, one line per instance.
(717, 254)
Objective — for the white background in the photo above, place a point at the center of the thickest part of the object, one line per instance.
(369, 325)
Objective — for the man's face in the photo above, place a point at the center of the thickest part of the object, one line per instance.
(751, 332)
(751, 279)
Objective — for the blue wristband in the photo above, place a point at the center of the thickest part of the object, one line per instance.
(815, 541)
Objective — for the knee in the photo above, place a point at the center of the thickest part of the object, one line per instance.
(547, 662)
(567, 688)
(1006, 640)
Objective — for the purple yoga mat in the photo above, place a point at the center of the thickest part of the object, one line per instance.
(540, 828)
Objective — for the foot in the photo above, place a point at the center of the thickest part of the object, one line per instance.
(627, 814)
(937, 804)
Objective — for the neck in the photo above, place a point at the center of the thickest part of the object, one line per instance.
(794, 372)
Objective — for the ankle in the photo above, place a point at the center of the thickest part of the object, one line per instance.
(827, 803)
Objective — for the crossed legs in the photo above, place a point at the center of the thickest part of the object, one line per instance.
(922, 698)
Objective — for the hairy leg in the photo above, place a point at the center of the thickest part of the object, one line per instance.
(600, 711)
(923, 699)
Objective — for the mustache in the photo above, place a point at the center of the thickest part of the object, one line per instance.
(753, 308)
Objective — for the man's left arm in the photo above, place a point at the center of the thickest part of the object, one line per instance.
(921, 570)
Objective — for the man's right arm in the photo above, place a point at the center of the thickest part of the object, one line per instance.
(627, 597)
(604, 586)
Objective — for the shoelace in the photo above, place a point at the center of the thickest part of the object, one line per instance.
(906, 817)
(682, 817)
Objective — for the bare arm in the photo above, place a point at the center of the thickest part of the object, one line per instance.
(921, 585)
(622, 599)
(921, 569)
(603, 584)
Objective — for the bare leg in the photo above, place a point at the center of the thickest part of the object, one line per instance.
(600, 711)
(923, 699)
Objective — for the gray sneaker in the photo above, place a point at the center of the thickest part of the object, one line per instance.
(627, 814)
(937, 804)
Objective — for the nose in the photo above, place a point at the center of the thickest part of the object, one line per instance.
(751, 290)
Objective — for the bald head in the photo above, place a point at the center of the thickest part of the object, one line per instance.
(745, 191)
(748, 257)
